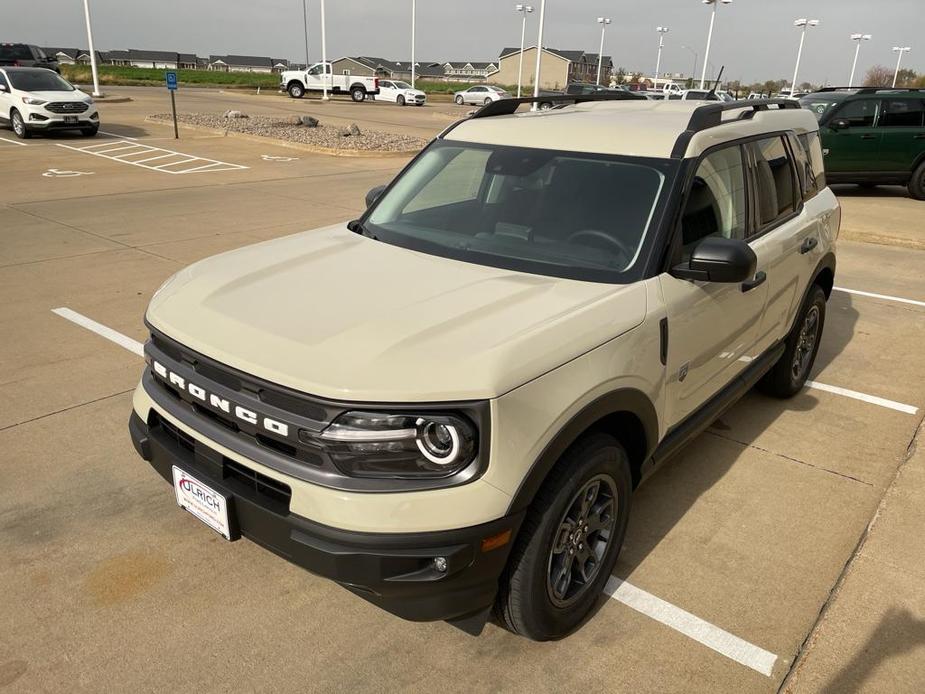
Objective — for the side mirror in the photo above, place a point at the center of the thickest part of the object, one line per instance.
(840, 124)
(374, 194)
(2, 87)
(716, 259)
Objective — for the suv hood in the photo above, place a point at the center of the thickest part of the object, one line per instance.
(342, 316)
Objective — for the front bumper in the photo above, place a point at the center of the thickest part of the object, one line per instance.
(393, 571)
(40, 119)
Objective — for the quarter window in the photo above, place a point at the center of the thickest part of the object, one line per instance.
(774, 181)
(716, 203)
(860, 113)
(902, 113)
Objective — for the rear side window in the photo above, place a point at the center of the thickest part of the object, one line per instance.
(812, 146)
(860, 113)
(15, 51)
(902, 113)
(774, 180)
(4, 82)
(716, 204)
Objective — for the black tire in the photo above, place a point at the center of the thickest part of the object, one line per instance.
(459, 101)
(358, 94)
(19, 125)
(530, 602)
(487, 101)
(787, 377)
(91, 131)
(296, 90)
(917, 182)
(400, 100)
(545, 106)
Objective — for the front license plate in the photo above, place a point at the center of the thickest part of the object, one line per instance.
(202, 501)
(70, 119)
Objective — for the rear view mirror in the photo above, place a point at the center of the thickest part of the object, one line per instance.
(374, 194)
(716, 259)
(840, 124)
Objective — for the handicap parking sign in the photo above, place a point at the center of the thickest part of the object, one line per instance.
(171, 80)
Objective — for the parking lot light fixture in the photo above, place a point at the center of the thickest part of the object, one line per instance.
(96, 79)
(900, 50)
(539, 54)
(857, 38)
(661, 42)
(603, 21)
(413, 16)
(696, 57)
(524, 10)
(706, 57)
(305, 27)
(801, 23)
(324, 58)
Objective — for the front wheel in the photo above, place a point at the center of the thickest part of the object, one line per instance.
(487, 101)
(788, 376)
(400, 100)
(569, 542)
(358, 94)
(460, 101)
(296, 90)
(917, 183)
(19, 125)
(545, 106)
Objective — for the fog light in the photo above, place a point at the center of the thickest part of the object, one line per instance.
(440, 564)
(37, 116)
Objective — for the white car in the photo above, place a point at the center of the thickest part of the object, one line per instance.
(400, 93)
(35, 98)
(480, 94)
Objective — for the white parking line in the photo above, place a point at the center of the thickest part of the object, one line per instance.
(203, 164)
(124, 137)
(122, 340)
(692, 626)
(887, 297)
(13, 142)
(872, 399)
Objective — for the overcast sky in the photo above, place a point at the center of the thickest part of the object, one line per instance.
(754, 39)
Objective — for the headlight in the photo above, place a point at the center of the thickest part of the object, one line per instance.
(32, 101)
(388, 445)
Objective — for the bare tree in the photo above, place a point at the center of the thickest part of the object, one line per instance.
(906, 78)
(878, 76)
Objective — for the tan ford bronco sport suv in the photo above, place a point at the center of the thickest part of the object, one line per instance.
(445, 405)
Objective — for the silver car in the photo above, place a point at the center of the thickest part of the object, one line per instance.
(480, 94)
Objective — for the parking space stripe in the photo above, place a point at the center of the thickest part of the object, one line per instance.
(124, 137)
(117, 149)
(692, 626)
(886, 297)
(203, 163)
(122, 340)
(872, 399)
(13, 142)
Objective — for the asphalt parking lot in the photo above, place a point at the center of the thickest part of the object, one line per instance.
(782, 550)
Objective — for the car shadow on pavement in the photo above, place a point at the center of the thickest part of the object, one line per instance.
(849, 190)
(899, 632)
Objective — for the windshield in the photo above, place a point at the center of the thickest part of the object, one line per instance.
(402, 85)
(38, 81)
(554, 213)
(819, 105)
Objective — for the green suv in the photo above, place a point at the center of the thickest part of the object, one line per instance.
(872, 135)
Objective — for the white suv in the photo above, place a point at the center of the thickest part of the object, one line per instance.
(446, 404)
(37, 99)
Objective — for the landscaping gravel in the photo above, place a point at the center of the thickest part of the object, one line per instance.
(349, 138)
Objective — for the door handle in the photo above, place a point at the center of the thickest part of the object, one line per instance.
(808, 245)
(868, 137)
(757, 281)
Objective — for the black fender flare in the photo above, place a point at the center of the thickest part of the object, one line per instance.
(827, 262)
(623, 400)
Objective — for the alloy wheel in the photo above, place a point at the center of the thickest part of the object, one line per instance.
(806, 344)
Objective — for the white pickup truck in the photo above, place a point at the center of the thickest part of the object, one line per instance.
(297, 82)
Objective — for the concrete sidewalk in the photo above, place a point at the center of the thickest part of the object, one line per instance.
(871, 636)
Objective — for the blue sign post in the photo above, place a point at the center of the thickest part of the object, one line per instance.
(172, 88)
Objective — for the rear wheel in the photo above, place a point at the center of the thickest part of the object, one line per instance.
(19, 125)
(487, 100)
(358, 94)
(296, 90)
(569, 542)
(917, 183)
(400, 100)
(545, 106)
(788, 376)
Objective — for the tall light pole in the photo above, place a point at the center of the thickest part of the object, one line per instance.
(524, 10)
(802, 22)
(413, 18)
(694, 69)
(96, 79)
(706, 57)
(539, 53)
(305, 26)
(899, 59)
(661, 42)
(603, 21)
(856, 38)
(324, 57)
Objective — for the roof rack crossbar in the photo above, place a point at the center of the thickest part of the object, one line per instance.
(506, 107)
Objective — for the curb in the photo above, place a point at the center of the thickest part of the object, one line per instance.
(315, 149)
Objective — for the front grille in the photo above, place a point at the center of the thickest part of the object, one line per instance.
(263, 486)
(176, 435)
(67, 107)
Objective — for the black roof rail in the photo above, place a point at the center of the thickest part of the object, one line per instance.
(711, 115)
(506, 107)
(832, 89)
(877, 90)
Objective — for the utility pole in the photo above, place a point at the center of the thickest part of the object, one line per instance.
(96, 79)
(539, 53)
(324, 57)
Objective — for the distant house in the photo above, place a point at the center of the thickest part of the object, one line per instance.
(558, 67)
(367, 66)
(279, 64)
(240, 63)
(153, 59)
(469, 71)
(65, 56)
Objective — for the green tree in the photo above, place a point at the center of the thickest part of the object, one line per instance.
(906, 78)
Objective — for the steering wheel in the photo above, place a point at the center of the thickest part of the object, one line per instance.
(597, 235)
